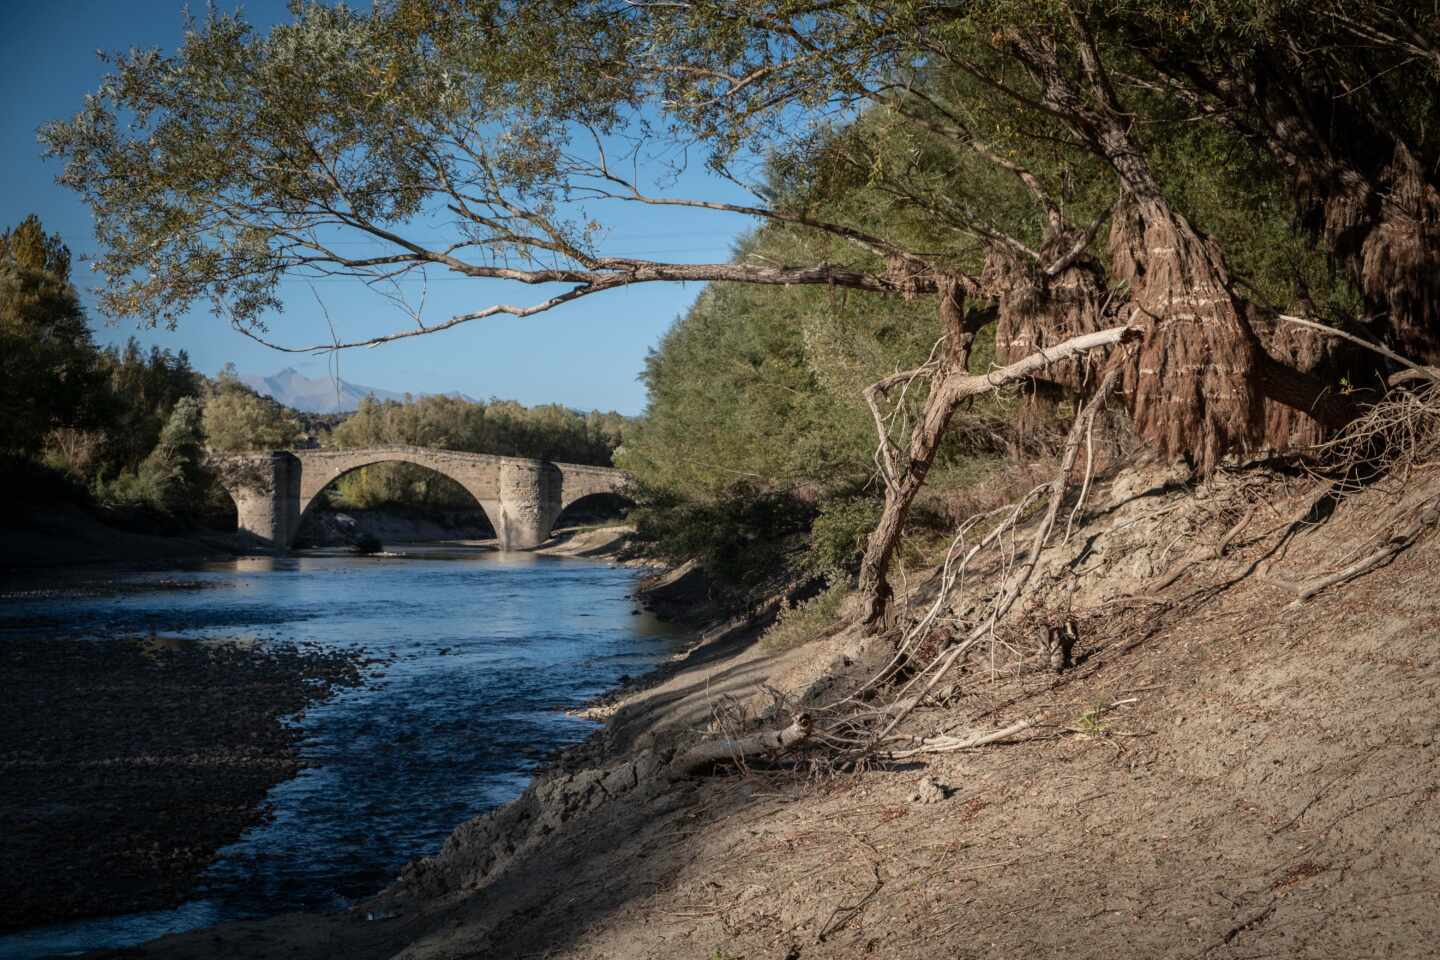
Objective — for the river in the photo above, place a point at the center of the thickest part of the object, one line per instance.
(489, 649)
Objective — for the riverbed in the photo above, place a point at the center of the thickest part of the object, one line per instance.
(472, 657)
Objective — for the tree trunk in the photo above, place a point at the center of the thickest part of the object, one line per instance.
(946, 393)
(900, 491)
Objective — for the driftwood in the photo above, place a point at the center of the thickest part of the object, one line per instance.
(705, 755)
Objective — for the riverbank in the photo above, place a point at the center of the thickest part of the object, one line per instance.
(128, 762)
(65, 535)
(1222, 775)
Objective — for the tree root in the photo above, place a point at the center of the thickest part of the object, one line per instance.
(944, 662)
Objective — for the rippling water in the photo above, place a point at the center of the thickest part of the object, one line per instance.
(489, 650)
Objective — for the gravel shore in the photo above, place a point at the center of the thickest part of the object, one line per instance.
(128, 762)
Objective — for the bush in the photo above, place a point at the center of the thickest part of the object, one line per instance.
(803, 622)
(745, 539)
(838, 535)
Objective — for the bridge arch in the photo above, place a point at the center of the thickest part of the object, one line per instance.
(592, 505)
(521, 497)
(318, 499)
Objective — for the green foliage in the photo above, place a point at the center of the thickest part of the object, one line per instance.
(399, 484)
(746, 538)
(803, 622)
(238, 418)
(49, 375)
(838, 535)
(172, 477)
(142, 392)
(503, 427)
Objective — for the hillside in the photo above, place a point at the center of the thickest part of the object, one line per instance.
(1223, 774)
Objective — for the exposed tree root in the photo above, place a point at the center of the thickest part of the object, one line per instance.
(904, 479)
(937, 669)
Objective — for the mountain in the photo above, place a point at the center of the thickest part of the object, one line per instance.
(318, 395)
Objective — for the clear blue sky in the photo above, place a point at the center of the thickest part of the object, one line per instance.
(585, 355)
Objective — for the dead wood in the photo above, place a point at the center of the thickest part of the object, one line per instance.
(947, 744)
(705, 755)
(1417, 370)
(942, 664)
(1427, 516)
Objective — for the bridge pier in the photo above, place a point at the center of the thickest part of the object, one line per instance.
(266, 491)
(529, 503)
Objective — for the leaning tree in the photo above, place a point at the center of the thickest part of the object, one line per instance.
(245, 159)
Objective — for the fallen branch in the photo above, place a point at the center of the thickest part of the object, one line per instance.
(1427, 516)
(904, 479)
(952, 744)
(702, 756)
(942, 664)
(1428, 373)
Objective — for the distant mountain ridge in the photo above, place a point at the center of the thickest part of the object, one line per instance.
(322, 394)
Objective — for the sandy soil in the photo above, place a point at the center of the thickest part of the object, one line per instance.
(127, 763)
(594, 542)
(1221, 776)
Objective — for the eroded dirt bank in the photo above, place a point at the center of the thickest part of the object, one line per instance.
(1223, 774)
(127, 763)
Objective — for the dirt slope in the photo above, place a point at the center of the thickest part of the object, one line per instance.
(1221, 776)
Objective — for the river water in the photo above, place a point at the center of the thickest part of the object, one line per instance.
(488, 651)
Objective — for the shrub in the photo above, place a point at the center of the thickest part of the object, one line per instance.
(838, 535)
(803, 622)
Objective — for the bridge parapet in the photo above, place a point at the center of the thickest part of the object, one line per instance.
(273, 490)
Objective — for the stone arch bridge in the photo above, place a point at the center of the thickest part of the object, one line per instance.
(521, 497)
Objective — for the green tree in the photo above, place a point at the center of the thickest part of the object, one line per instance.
(1029, 129)
(144, 388)
(238, 418)
(172, 477)
(49, 376)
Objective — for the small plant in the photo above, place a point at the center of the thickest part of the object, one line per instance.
(1091, 723)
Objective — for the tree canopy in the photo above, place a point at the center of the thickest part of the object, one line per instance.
(1023, 165)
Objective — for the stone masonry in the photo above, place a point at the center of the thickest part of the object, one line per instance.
(522, 497)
